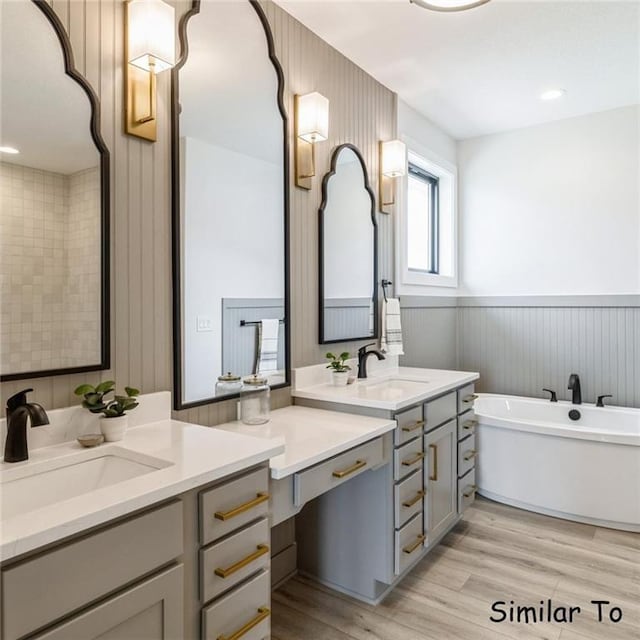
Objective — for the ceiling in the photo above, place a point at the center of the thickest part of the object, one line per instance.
(481, 71)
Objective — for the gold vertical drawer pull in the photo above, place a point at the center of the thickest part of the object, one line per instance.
(263, 614)
(470, 455)
(225, 573)
(409, 503)
(470, 398)
(469, 424)
(236, 511)
(411, 461)
(469, 491)
(413, 427)
(349, 470)
(434, 476)
(412, 547)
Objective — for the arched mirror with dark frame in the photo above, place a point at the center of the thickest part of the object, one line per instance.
(54, 208)
(230, 177)
(348, 251)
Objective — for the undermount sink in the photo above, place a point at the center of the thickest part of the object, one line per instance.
(390, 388)
(44, 483)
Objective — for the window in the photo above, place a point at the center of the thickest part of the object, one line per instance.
(422, 220)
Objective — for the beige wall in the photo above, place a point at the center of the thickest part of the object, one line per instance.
(362, 112)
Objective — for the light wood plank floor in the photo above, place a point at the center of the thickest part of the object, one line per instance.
(495, 553)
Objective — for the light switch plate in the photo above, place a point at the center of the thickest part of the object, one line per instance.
(204, 323)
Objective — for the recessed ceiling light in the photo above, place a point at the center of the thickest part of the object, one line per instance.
(449, 5)
(552, 94)
(8, 150)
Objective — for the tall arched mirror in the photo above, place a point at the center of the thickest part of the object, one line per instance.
(54, 203)
(348, 235)
(230, 204)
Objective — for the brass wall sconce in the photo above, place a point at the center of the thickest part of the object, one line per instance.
(311, 125)
(149, 49)
(393, 164)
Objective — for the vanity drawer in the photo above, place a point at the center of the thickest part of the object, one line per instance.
(314, 481)
(467, 454)
(466, 490)
(440, 410)
(410, 424)
(407, 459)
(233, 504)
(225, 564)
(409, 543)
(408, 497)
(467, 424)
(466, 397)
(243, 613)
(50, 586)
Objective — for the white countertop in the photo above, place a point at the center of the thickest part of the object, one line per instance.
(311, 435)
(408, 386)
(194, 456)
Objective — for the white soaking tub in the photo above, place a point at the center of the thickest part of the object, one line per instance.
(534, 457)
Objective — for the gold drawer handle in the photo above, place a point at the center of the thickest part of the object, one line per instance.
(352, 469)
(469, 424)
(412, 547)
(232, 513)
(413, 427)
(470, 491)
(470, 455)
(263, 614)
(409, 503)
(409, 463)
(470, 398)
(225, 573)
(434, 448)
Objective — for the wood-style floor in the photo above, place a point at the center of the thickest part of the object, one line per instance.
(495, 553)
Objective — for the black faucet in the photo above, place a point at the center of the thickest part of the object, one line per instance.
(363, 354)
(18, 409)
(574, 385)
(600, 400)
(554, 397)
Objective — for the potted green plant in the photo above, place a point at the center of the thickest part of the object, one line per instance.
(339, 368)
(114, 418)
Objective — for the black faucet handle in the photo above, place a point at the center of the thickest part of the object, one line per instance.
(600, 400)
(363, 348)
(18, 400)
(554, 397)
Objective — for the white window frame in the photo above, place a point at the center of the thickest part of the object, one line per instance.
(410, 282)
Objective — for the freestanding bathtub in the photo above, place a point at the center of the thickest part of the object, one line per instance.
(532, 456)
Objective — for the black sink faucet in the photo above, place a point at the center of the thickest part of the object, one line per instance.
(574, 385)
(18, 409)
(363, 354)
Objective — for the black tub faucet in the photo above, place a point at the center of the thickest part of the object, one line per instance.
(574, 385)
(554, 397)
(363, 354)
(18, 409)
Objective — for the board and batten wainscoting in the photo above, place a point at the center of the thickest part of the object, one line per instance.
(521, 344)
(362, 112)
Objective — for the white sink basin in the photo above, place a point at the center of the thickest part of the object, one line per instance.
(40, 484)
(390, 389)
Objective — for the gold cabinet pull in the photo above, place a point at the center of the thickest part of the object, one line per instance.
(434, 476)
(236, 511)
(261, 549)
(409, 503)
(469, 424)
(412, 547)
(410, 462)
(263, 614)
(470, 398)
(413, 427)
(470, 491)
(470, 455)
(349, 470)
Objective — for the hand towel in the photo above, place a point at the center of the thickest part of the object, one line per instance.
(391, 340)
(267, 360)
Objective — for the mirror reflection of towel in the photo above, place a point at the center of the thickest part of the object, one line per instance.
(391, 340)
(267, 360)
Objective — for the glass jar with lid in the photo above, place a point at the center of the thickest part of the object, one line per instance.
(255, 400)
(227, 384)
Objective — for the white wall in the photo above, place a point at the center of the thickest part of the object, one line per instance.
(552, 209)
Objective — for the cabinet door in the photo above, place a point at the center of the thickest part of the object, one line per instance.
(152, 610)
(440, 448)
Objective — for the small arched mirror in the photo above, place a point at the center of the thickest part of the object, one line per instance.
(54, 206)
(348, 250)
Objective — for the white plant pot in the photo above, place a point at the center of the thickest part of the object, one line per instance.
(339, 378)
(113, 428)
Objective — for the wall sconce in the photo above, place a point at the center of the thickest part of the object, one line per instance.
(311, 126)
(149, 49)
(393, 164)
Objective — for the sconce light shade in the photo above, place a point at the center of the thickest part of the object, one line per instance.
(313, 117)
(394, 159)
(151, 33)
